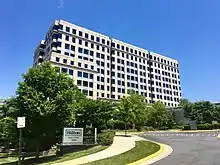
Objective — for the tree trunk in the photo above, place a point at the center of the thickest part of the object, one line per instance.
(125, 129)
(37, 150)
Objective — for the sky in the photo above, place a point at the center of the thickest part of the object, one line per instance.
(188, 31)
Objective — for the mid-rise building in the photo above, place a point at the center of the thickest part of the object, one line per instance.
(107, 68)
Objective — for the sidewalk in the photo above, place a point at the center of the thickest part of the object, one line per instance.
(120, 145)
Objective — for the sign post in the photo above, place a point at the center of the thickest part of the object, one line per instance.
(20, 125)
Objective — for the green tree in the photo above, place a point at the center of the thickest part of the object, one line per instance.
(139, 108)
(8, 132)
(157, 115)
(48, 101)
(94, 112)
(187, 106)
(125, 112)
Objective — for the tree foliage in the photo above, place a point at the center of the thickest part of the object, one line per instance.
(94, 112)
(47, 100)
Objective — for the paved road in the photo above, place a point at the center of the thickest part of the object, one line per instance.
(201, 148)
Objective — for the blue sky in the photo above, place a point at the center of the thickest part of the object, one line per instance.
(188, 31)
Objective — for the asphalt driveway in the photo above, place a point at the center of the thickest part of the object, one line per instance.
(189, 148)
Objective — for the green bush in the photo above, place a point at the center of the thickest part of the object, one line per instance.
(205, 126)
(148, 128)
(178, 127)
(186, 127)
(106, 137)
(216, 126)
(163, 128)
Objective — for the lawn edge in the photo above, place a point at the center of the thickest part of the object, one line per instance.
(154, 155)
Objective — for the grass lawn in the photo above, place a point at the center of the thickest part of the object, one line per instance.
(52, 158)
(141, 150)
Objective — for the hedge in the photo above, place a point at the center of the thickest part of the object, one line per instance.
(205, 126)
(106, 137)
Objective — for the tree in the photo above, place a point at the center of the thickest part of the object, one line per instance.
(94, 112)
(8, 132)
(157, 115)
(187, 106)
(125, 112)
(48, 101)
(138, 107)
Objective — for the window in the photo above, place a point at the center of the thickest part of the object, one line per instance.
(86, 43)
(67, 46)
(97, 39)
(86, 35)
(80, 41)
(90, 93)
(92, 67)
(85, 83)
(80, 50)
(85, 92)
(64, 61)
(64, 70)
(103, 48)
(67, 38)
(74, 31)
(92, 37)
(66, 53)
(85, 75)
(73, 40)
(103, 41)
(86, 51)
(86, 65)
(79, 74)
(102, 56)
(97, 47)
(79, 82)
(91, 76)
(79, 64)
(71, 62)
(72, 48)
(67, 29)
(80, 33)
(70, 71)
(57, 59)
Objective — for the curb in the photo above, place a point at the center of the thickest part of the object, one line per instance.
(148, 158)
(213, 130)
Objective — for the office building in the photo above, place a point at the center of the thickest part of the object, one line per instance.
(107, 68)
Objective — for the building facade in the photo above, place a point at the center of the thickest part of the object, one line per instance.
(107, 68)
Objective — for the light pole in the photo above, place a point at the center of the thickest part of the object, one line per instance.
(20, 125)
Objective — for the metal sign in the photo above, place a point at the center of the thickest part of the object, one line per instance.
(89, 136)
(72, 136)
(193, 125)
(20, 122)
(79, 136)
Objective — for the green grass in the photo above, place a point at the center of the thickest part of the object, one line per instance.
(141, 150)
(45, 160)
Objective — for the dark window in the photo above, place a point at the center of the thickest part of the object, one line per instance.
(79, 64)
(64, 70)
(79, 82)
(97, 39)
(67, 29)
(74, 31)
(57, 59)
(80, 50)
(86, 51)
(79, 74)
(86, 35)
(80, 41)
(66, 53)
(103, 41)
(92, 37)
(85, 75)
(70, 71)
(80, 33)
(67, 46)
(64, 61)
(67, 38)
(71, 62)
(73, 40)
(72, 48)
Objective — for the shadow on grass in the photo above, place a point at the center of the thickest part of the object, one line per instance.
(124, 135)
(50, 158)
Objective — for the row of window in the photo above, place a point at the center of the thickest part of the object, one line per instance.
(85, 83)
(82, 34)
(65, 70)
(130, 50)
(85, 75)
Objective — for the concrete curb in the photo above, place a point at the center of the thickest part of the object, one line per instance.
(193, 131)
(163, 152)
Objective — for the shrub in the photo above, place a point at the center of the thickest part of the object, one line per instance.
(163, 128)
(106, 137)
(178, 127)
(148, 128)
(186, 127)
(205, 126)
(216, 126)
